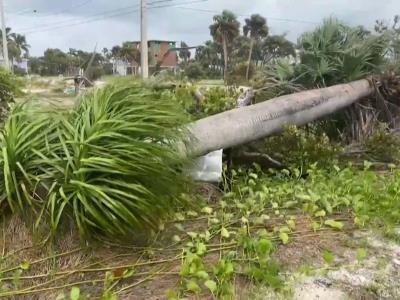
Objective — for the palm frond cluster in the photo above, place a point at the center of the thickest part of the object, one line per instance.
(336, 53)
(331, 54)
(112, 164)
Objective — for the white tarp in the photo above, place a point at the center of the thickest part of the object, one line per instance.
(208, 167)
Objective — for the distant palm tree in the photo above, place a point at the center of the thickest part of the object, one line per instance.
(21, 43)
(184, 53)
(224, 29)
(116, 52)
(208, 55)
(130, 52)
(16, 44)
(256, 27)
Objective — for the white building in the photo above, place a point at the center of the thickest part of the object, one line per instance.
(21, 64)
(124, 68)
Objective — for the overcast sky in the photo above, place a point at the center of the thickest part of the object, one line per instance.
(82, 24)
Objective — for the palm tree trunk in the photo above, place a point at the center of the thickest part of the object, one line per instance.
(249, 59)
(243, 125)
(225, 46)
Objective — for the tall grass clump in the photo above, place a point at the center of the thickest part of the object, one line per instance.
(112, 164)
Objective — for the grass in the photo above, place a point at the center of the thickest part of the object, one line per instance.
(229, 249)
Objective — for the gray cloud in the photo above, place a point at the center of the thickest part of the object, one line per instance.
(83, 23)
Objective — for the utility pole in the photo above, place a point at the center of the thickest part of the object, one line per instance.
(4, 35)
(143, 37)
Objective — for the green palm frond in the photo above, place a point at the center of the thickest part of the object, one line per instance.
(112, 164)
(336, 53)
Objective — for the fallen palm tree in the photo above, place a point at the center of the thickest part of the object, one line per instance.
(243, 125)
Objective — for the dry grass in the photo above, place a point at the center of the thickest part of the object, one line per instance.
(66, 261)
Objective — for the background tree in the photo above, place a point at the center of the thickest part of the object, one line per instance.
(55, 62)
(241, 48)
(209, 56)
(256, 27)
(184, 54)
(392, 32)
(224, 29)
(276, 46)
(16, 43)
(21, 43)
(116, 52)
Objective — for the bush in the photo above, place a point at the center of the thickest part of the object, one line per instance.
(194, 70)
(94, 73)
(238, 74)
(9, 88)
(217, 100)
(300, 148)
(19, 71)
(112, 164)
(383, 145)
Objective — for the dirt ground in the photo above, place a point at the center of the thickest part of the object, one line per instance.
(52, 270)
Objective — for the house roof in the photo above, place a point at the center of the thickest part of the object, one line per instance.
(163, 41)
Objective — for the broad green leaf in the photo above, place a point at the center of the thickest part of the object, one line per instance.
(291, 224)
(328, 257)
(315, 226)
(201, 249)
(207, 210)
(179, 217)
(211, 285)
(334, 224)
(171, 295)
(176, 238)
(225, 233)
(202, 274)
(192, 286)
(192, 213)
(320, 213)
(24, 265)
(284, 229)
(179, 226)
(75, 293)
(284, 237)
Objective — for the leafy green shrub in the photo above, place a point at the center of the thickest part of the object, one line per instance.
(10, 86)
(372, 197)
(299, 148)
(194, 70)
(218, 100)
(96, 72)
(215, 100)
(383, 145)
(335, 53)
(112, 164)
(238, 74)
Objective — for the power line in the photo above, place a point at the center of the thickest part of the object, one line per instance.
(268, 18)
(78, 5)
(112, 13)
(122, 9)
(35, 11)
(103, 16)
